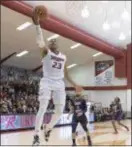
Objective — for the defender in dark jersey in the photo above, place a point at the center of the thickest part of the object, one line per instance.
(78, 107)
(117, 114)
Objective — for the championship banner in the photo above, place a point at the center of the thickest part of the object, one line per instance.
(104, 72)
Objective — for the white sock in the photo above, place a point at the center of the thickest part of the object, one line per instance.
(40, 115)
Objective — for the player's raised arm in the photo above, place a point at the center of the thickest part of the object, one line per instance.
(77, 87)
(37, 12)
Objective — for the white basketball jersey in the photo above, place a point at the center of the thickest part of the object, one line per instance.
(53, 65)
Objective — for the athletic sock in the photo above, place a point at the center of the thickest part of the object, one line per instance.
(40, 115)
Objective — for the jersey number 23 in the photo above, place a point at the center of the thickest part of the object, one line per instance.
(57, 65)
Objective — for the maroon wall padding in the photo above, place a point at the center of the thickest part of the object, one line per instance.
(129, 66)
(37, 68)
(7, 58)
(66, 30)
(120, 66)
(100, 88)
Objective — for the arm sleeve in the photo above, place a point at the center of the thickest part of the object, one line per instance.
(39, 37)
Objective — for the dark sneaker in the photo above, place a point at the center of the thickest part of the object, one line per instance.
(74, 144)
(89, 141)
(47, 135)
(36, 140)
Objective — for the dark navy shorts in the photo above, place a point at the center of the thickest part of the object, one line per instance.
(81, 119)
(118, 116)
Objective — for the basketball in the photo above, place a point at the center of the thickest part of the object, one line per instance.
(41, 11)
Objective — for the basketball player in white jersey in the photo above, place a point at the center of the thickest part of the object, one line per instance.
(54, 71)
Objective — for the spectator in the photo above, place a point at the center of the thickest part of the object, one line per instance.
(24, 107)
(19, 109)
(18, 91)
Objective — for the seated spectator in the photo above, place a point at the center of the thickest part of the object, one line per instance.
(24, 107)
(18, 91)
(14, 111)
(19, 109)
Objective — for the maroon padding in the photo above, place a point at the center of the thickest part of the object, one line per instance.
(129, 66)
(66, 30)
(121, 66)
(100, 88)
(7, 58)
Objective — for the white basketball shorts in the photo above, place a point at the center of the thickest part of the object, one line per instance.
(54, 87)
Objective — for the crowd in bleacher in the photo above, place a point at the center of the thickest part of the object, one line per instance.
(18, 91)
(19, 94)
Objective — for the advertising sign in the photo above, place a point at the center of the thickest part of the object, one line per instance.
(103, 72)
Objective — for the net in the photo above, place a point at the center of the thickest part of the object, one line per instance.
(74, 7)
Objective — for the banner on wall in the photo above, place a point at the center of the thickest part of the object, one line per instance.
(13, 122)
(104, 72)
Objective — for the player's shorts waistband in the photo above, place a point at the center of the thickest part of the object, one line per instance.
(52, 79)
(52, 84)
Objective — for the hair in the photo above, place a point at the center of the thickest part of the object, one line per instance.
(52, 41)
(117, 99)
(78, 96)
(52, 44)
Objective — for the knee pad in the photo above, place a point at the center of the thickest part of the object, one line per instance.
(59, 108)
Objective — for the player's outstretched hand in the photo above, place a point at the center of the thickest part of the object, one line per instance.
(78, 89)
(35, 17)
(39, 13)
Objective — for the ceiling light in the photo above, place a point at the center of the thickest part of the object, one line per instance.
(22, 53)
(104, 1)
(125, 15)
(85, 12)
(24, 26)
(97, 54)
(72, 65)
(75, 46)
(122, 36)
(53, 37)
(116, 24)
(106, 26)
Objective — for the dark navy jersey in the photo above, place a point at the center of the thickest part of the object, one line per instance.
(118, 107)
(117, 112)
(79, 106)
